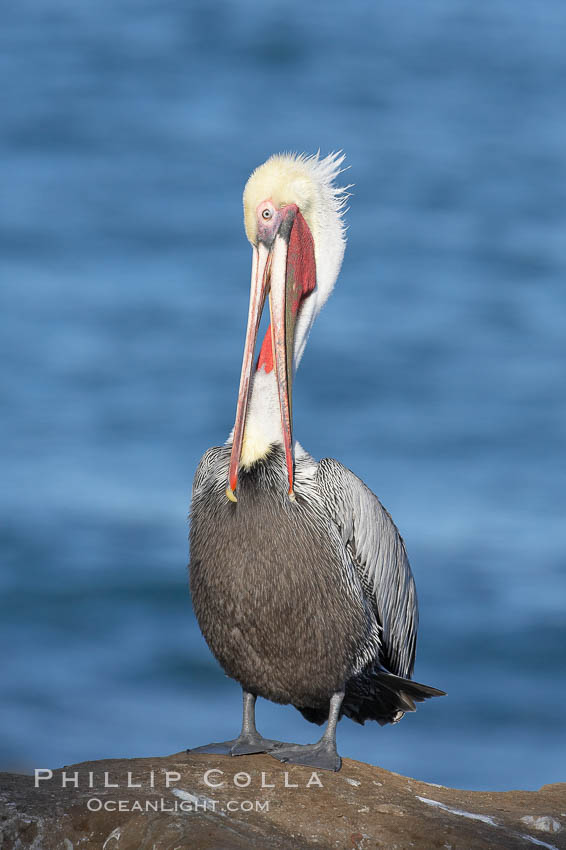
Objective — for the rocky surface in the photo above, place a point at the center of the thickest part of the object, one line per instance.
(172, 803)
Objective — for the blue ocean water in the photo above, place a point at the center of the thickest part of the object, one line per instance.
(436, 372)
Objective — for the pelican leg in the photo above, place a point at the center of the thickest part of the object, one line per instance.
(249, 740)
(323, 754)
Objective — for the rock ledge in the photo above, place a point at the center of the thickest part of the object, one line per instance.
(183, 802)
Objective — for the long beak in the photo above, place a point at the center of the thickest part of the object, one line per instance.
(269, 273)
(258, 292)
(283, 320)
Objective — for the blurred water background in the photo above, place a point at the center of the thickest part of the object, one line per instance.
(436, 372)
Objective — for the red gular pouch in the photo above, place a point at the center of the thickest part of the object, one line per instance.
(300, 282)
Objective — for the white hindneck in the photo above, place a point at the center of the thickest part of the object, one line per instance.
(263, 421)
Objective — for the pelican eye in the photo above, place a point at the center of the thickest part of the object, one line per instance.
(267, 214)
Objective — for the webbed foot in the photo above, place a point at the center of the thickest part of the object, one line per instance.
(322, 755)
(242, 746)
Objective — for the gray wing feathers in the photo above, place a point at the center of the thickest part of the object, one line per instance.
(205, 466)
(378, 553)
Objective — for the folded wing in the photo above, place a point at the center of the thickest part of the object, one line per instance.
(378, 554)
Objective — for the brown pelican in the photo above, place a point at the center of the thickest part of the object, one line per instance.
(299, 578)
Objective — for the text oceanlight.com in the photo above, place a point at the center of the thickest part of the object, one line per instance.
(95, 804)
(180, 800)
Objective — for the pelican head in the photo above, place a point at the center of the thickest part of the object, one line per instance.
(293, 218)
